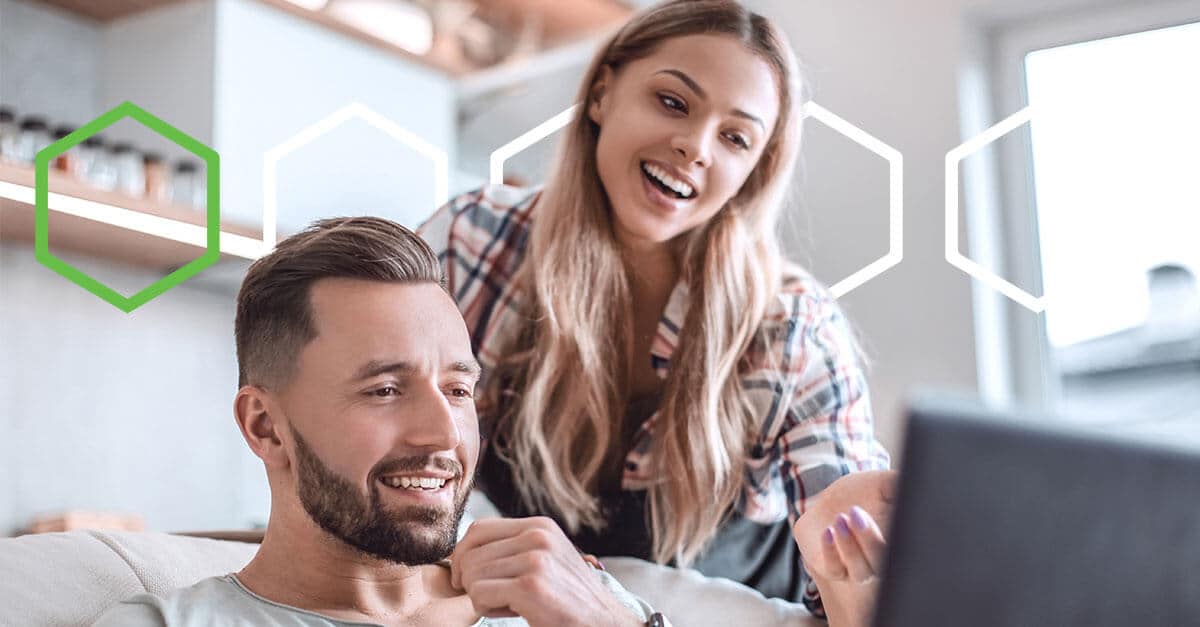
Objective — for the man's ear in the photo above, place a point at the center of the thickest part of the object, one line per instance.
(598, 91)
(257, 414)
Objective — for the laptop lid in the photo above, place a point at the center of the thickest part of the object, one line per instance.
(1002, 520)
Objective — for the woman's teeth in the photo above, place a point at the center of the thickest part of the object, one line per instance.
(415, 483)
(681, 189)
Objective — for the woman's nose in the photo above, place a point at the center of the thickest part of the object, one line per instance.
(694, 146)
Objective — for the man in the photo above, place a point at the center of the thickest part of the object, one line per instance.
(356, 391)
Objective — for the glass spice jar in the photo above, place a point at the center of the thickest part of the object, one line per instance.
(158, 185)
(187, 188)
(9, 132)
(102, 173)
(127, 162)
(86, 154)
(66, 160)
(33, 137)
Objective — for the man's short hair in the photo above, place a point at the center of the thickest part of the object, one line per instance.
(274, 309)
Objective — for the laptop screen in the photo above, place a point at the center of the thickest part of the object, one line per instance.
(1004, 521)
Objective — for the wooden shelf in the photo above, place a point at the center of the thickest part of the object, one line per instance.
(108, 9)
(97, 239)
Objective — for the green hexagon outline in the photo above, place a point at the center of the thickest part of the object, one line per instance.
(212, 219)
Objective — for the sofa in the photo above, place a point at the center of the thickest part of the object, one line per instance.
(70, 578)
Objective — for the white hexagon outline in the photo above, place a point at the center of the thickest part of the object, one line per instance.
(525, 140)
(895, 253)
(1036, 304)
(441, 162)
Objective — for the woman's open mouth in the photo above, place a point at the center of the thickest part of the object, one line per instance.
(670, 186)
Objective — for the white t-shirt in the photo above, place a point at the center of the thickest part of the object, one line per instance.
(224, 601)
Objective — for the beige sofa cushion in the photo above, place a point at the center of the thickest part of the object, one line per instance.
(71, 578)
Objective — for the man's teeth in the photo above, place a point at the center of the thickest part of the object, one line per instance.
(415, 483)
(676, 185)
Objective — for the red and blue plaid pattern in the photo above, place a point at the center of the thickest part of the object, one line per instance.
(812, 395)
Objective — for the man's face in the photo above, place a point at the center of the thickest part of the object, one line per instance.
(382, 418)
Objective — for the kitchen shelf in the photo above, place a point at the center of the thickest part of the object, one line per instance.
(75, 233)
(108, 9)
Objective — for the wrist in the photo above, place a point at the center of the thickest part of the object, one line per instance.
(840, 606)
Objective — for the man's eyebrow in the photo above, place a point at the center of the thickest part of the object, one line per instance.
(694, 86)
(468, 367)
(376, 367)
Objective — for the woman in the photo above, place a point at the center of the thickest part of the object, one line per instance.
(658, 380)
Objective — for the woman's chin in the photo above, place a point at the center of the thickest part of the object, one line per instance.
(641, 225)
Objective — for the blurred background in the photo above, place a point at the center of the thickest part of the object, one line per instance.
(108, 418)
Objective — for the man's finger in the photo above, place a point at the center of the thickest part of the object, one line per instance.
(491, 597)
(500, 559)
(489, 530)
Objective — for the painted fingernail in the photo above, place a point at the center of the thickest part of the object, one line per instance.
(843, 525)
(828, 535)
(859, 517)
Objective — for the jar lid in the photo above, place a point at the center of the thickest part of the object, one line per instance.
(62, 131)
(152, 157)
(7, 114)
(186, 165)
(93, 141)
(33, 123)
(121, 148)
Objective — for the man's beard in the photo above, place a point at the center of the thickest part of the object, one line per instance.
(410, 536)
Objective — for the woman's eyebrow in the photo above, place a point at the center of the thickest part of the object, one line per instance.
(694, 86)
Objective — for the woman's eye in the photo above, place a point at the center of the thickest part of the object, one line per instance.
(672, 102)
(739, 141)
(460, 392)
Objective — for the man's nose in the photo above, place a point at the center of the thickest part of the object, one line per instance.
(434, 425)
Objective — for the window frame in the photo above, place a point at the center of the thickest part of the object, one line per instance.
(1023, 369)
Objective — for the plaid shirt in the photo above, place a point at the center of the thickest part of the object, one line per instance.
(814, 404)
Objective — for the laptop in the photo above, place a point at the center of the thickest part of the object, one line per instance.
(1004, 521)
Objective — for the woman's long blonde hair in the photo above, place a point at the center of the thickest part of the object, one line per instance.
(560, 392)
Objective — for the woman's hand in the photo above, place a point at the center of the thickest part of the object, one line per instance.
(527, 567)
(842, 544)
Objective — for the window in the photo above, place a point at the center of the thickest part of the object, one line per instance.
(1116, 160)
(1101, 211)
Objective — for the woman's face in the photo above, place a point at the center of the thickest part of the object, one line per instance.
(680, 130)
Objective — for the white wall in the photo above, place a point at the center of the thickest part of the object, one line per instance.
(175, 82)
(119, 412)
(489, 121)
(54, 81)
(276, 75)
(890, 68)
